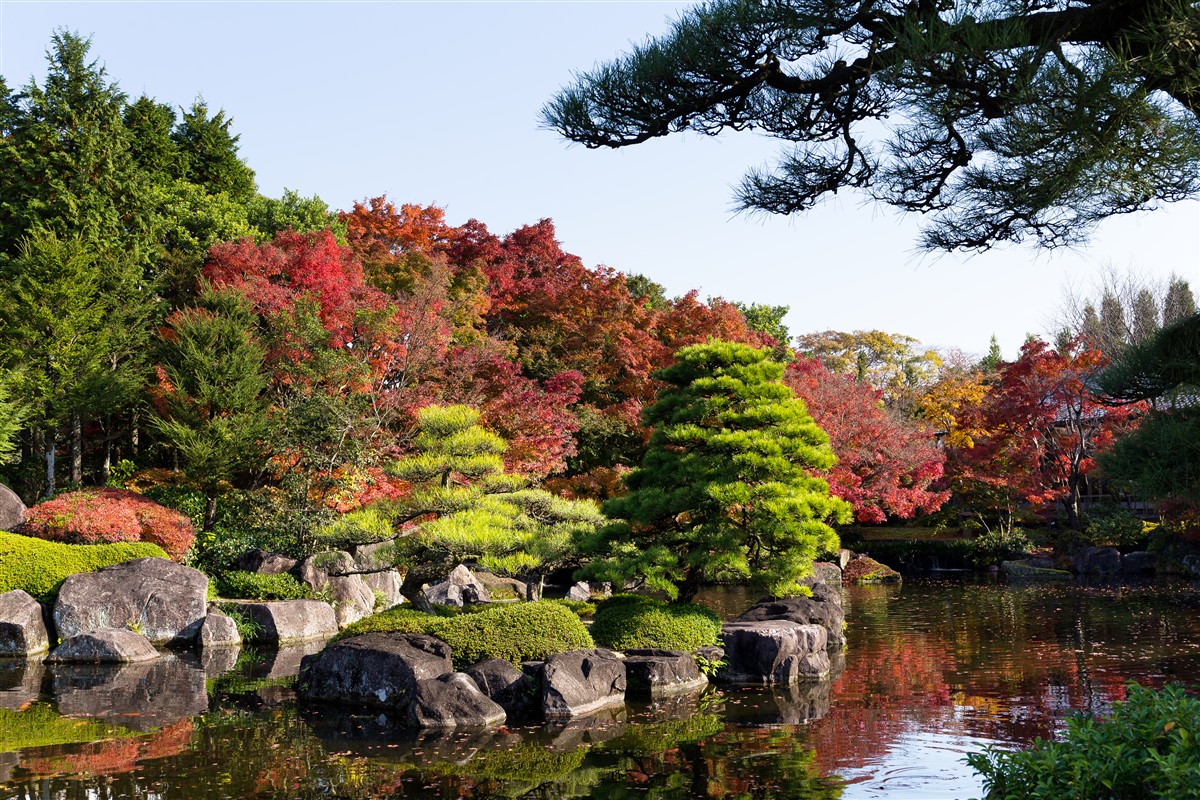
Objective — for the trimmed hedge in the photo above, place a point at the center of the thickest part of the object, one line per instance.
(39, 567)
(628, 621)
(515, 632)
(242, 585)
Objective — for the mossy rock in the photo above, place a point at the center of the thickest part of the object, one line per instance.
(39, 567)
(864, 569)
(628, 622)
(515, 632)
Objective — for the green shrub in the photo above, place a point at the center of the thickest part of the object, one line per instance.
(581, 608)
(248, 629)
(1112, 526)
(627, 622)
(1000, 545)
(254, 586)
(921, 554)
(1147, 749)
(515, 632)
(39, 567)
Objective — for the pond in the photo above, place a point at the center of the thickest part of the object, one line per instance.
(934, 670)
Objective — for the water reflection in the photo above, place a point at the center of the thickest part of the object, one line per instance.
(933, 670)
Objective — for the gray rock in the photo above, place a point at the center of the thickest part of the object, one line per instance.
(824, 608)
(844, 557)
(658, 673)
(331, 573)
(12, 510)
(282, 621)
(711, 653)
(1191, 565)
(377, 557)
(510, 688)
(20, 682)
(265, 563)
(499, 586)
(773, 652)
(141, 696)
(1139, 562)
(218, 630)
(22, 629)
(108, 645)
(1097, 561)
(581, 682)
(459, 588)
(387, 584)
(380, 670)
(166, 601)
(452, 701)
(826, 573)
(580, 592)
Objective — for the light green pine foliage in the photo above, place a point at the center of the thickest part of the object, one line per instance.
(729, 487)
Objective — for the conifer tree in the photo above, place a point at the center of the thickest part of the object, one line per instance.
(728, 487)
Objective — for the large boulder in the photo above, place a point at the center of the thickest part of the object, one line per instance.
(12, 510)
(659, 673)
(380, 670)
(1139, 562)
(824, 608)
(386, 585)
(452, 701)
(332, 573)
(218, 630)
(510, 688)
(377, 557)
(283, 621)
(773, 652)
(581, 682)
(460, 587)
(500, 587)
(143, 696)
(580, 592)
(22, 629)
(825, 572)
(166, 602)
(1097, 561)
(264, 562)
(110, 645)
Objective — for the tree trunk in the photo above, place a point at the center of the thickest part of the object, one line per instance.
(106, 465)
(690, 587)
(133, 434)
(534, 583)
(76, 449)
(414, 579)
(50, 444)
(210, 510)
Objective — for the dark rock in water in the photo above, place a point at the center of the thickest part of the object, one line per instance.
(568, 735)
(12, 510)
(459, 588)
(782, 705)
(331, 573)
(283, 621)
(104, 646)
(510, 688)
(165, 601)
(657, 673)
(20, 682)
(1096, 561)
(778, 652)
(22, 629)
(216, 661)
(864, 569)
(824, 608)
(265, 563)
(218, 630)
(1139, 562)
(580, 682)
(452, 701)
(140, 696)
(379, 670)
(283, 661)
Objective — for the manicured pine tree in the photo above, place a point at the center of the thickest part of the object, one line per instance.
(730, 485)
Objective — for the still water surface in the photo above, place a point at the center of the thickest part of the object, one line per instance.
(933, 670)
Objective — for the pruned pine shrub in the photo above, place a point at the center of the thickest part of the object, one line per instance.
(515, 632)
(39, 567)
(107, 516)
(243, 585)
(628, 621)
(1147, 749)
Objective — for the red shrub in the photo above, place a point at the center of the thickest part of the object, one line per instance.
(101, 516)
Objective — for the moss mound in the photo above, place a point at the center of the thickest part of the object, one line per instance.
(39, 567)
(627, 622)
(515, 632)
(865, 569)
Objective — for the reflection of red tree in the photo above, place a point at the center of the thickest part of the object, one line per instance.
(111, 757)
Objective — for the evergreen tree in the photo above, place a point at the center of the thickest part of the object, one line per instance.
(1179, 303)
(1113, 331)
(210, 392)
(1144, 322)
(150, 125)
(209, 153)
(991, 362)
(727, 487)
(12, 417)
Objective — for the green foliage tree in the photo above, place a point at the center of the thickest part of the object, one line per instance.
(727, 488)
(769, 320)
(12, 418)
(465, 508)
(1016, 118)
(210, 393)
(209, 153)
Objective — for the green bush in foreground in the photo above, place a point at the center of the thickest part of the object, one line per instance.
(255, 586)
(515, 632)
(627, 622)
(1147, 749)
(39, 567)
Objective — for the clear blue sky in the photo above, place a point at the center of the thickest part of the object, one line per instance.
(438, 102)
